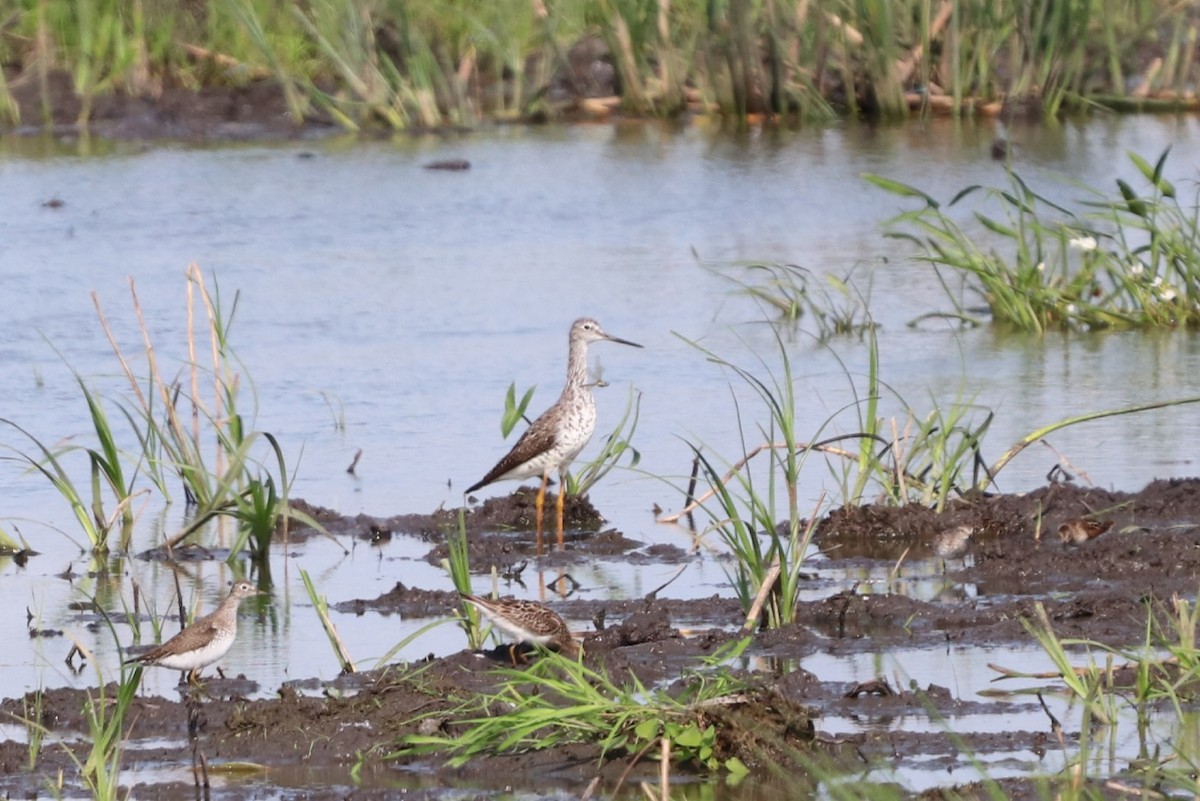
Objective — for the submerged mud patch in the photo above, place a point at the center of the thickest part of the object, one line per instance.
(1007, 549)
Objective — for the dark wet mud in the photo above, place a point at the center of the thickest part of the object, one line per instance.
(254, 111)
(1008, 547)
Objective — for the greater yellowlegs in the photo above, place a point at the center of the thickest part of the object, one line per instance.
(1077, 532)
(203, 642)
(527, 621)
(554, 439)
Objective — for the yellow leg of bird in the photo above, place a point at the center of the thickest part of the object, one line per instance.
(562, 494)
(538, 505)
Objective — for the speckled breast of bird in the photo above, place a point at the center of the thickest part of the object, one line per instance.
(577, 429)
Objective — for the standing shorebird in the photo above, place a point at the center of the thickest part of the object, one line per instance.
(953, 543)
(1080, 530)
(527, 621)
(554, 439)
(205, 641)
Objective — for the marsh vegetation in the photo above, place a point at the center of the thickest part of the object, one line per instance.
(405, 65)
(644, 692)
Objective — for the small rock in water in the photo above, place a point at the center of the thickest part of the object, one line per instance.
(449, 164)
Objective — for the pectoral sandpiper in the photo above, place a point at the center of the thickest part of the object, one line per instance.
(1079, 531)
(527, 621)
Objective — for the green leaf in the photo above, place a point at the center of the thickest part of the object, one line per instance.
(996, 227)
(514, 411)
(647, 729)
(736, 767)
(690, 737)
(898, 188)
(1132, 202)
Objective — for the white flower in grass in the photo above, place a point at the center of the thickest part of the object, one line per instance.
(1071, 309)
(1136, 269)
(1157, 282)
(1167, 293)
(1041, 267)
(1084, 243)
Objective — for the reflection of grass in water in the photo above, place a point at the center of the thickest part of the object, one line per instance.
(1161, 673)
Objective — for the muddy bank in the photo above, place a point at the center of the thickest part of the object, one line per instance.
(254, 111)
(1007, 549)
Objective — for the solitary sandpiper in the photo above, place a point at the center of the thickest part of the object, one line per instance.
(554, 439)
(203, 642)
(527, 621)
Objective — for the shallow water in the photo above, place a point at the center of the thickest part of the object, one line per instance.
(404, 301)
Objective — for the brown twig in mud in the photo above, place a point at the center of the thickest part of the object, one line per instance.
(70, 660)
(733, 471)
(650, 596)
(632, 764)
(1055, 727)
(590, 790)
(1144, 792)
(354, 462)
(693, 479)
(183, 619)
(1009, 673)
(1066, 465)
(763, 591)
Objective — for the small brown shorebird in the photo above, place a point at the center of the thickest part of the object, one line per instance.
(953, 542)
(554, 439)
(1080, 530)
(527, 621)
(205, 641)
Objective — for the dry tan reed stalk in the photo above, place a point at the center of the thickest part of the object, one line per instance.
(759, 600)
(897, 456)
(152, 363)
(1143, 87)
(191, 348)
(904, 67)
(1009, 673)
(112, 341)
(228, 62)
(664, 38)
(664, 776)
(220, 370)
(849, 32)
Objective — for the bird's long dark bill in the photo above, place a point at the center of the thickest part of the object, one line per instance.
(620, 341)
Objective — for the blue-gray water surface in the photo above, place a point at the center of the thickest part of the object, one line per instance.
(402, 302)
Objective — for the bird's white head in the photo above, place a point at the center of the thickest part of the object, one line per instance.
(244, 589)
(587, 330)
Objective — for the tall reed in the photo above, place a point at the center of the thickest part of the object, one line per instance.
(765, 539)
(401, 65)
